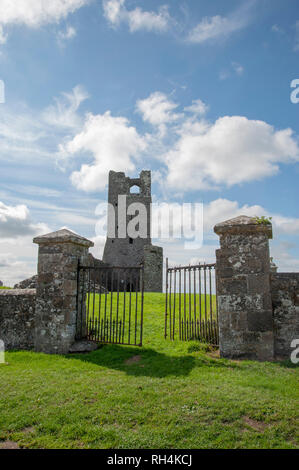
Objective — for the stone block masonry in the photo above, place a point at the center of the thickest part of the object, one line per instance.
(243, 287)
(125, 251)
(153, 268)
(120, 249)
(17, 318)
(285, 301)
(56, 295)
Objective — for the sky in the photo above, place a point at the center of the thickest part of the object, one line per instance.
(197, 91)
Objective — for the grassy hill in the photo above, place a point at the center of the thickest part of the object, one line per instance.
(167, 394)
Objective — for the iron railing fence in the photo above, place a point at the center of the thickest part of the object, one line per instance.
(110, 304)
(191, 311)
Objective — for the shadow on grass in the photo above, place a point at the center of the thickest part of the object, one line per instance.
(287, 364)
(137, 361)
(145, 361)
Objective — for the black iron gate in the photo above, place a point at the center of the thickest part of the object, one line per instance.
(191, 303)
(110, 304)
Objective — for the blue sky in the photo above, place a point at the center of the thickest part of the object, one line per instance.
(197, 91)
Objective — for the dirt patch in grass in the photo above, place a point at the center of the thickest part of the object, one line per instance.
(133, 360)
(28, 430)
(9, 445)
(80, 445)
(256, 425)
(215, 354)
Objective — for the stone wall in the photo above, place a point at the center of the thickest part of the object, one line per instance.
(243, 285)
(30, 283)
(285, 301)
(258, 308)
(17, 318)
(153, 268)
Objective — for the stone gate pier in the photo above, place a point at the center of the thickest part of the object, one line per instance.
(244, 291)
(56, 294)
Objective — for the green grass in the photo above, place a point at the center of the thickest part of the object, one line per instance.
(3, 287)
(167, 394)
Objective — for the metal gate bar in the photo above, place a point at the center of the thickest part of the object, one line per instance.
(110, 304)
(191, 295)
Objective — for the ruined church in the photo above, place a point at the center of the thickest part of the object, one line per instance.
(121, 250)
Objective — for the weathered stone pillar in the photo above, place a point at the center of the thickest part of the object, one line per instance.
(153, 268)
(56, 295)
(243, 287)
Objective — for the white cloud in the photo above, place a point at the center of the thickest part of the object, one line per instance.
(75, 219)
(221, 209)
(66, 35)
(34, 13)
(15, 222)
(18, 258)
(148, 20)
(18, 253)
(114, 11)
(286, 225)
(113, 143)
(238, 68)
(233, 150)
(284, 258)
(3, 37)
(224, 74)
(235, 68)
(13, 267)
(6, 259)
(219, 27)
(34, 190)
(137, 19)
(28, 134)
(99, 243)
(64, 113)
(198, 154)
(213, 28)
(206, 155)
(198, 107)
(157, 109)
(18, 127)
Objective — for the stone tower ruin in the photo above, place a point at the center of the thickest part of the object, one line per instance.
(121, 249)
